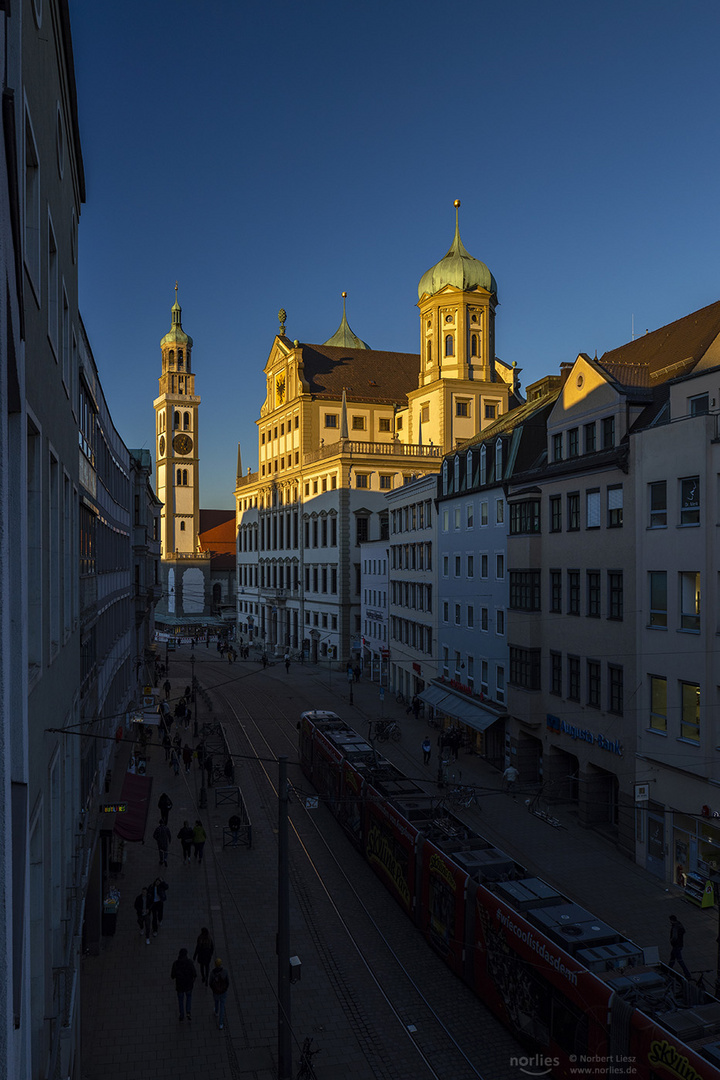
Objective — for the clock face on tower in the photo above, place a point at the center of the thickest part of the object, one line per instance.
(161, 446)
(182, 444)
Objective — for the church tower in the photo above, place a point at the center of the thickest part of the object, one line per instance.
(176, 430)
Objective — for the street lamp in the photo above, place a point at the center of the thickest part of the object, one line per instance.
(350, 677)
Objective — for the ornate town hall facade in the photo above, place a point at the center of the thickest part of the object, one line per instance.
(342, 425)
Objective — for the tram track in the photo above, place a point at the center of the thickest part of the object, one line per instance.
(268, 731)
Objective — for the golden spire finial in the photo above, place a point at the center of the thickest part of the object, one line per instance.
(282, 318)
(456, 204)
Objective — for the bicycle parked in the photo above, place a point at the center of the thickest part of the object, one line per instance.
(463, 796)
(387, 729)
(306, 1070)
(540, 808)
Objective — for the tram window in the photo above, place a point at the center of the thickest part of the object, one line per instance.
(569, 1025)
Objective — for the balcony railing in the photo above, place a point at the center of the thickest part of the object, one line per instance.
(382, 449)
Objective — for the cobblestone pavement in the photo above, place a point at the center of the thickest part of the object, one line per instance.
(129, 1007)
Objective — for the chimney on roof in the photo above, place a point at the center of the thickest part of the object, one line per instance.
(565, 369)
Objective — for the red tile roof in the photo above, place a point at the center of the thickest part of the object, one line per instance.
(664, 354)
(364, 374)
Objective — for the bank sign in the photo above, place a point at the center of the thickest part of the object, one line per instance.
(561, 727)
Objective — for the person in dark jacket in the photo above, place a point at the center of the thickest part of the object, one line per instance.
(162, 837)
(219, 984)
(157, 895)
(677, 938)
(144, 914)
(164, 806)
(185, 836)
(204, 949)
(184, 973)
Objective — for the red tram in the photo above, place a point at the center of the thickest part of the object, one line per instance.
(570, 987)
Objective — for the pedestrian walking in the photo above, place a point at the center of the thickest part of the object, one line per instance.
(164, 806)
(510, 777)
(174, 762)
(234, 825)
(357, 673)
(162, 837)
(187, 757)
(184, 973)
(219, 984)
(199, 836)
(677, 938)
(157, 895)
(287, 664)
(166, 743)
(185, 836)
(204, 949)
(415, 706)
(177, 743)
(166, 688)
(144, 914)
(264, 660)
(427, 750)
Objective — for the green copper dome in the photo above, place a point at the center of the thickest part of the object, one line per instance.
(343, 338)
(458, 269)
(176, 335)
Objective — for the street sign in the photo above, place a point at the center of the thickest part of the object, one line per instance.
(113, 808)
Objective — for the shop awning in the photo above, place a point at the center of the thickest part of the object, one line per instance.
(136, 793)
(459, 708)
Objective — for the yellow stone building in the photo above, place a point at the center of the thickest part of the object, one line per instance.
(343, 424)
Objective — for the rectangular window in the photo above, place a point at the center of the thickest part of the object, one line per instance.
(32, 207)
(499, 621)
(361, 480)
(589, 435)
(362, 526)
(358, 423)
(385, 482)
(573, 592)
(483, 513)
(698, 405)
(593, 684)
(470, 615)
(614, 507)
(556, 591)
(490, 411)
(690, 719)
(658, 703)
(525, 590)
(483, 566)
(556, 673)
(608, 430)
(499, 567)
(483, 618)
(458, 565)
(657, 580)
(615, 594)
(457, 614)
(573, 511)
(690, 501)
(573, 664)
(456, 517)
(446, 565)
(499, 511)
(462, 408)
(53, 289)
(500, 683)
(573, 443)
(593, 594)
(592, 510)
(555, 513)
(470, 566)
(615, 689)
(469, 516)
(690, 601)
(446, 611)
(557, 447)
(384, 424)
(525, 668)
(658, 504)
(525, 517)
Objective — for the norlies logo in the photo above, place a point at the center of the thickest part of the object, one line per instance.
(664, 1054)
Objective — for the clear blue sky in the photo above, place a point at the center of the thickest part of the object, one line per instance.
(272, 155)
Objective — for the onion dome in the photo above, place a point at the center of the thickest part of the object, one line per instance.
(343, 338)
(458, 269)
(176, 335)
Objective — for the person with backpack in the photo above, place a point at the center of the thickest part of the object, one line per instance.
(219, 983)
(184, 973)
(185, 836)
(204, 949)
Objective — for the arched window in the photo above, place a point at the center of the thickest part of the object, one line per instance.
(449, 350)
(171, 358)
(456, 472)
(182, 526)
(184, 477)
(473, 344)
(179, 477)
(181, 362)
(176, 420)
(186, 421)
(483, 464)
(468, 470)
(428, 352)
(445, 477)
(498, 460)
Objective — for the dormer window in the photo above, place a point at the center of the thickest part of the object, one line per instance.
(457, 472)
(498, 460)
(445, 477)
(483, 464)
